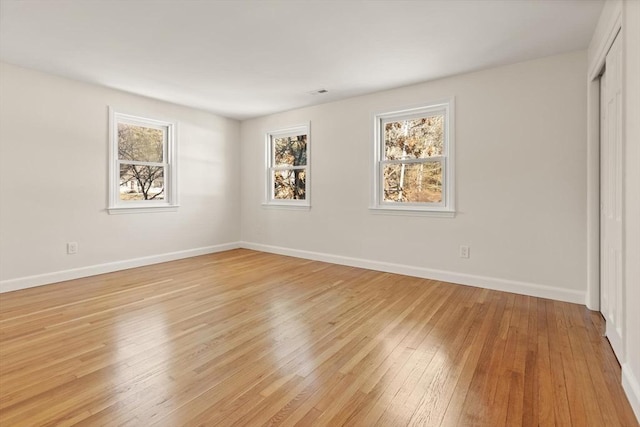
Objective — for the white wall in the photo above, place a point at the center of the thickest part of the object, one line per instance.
(631, 368)
(53, 181)
(520, 173)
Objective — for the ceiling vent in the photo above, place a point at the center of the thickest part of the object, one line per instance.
(318, 92)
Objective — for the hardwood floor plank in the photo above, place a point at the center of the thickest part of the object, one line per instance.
(248, 338)
(455, 411)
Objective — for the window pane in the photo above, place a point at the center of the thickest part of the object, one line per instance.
(290, 151)
(289, 184)
(140, 143)
(141, 182)
(413, 183)
(414, 139)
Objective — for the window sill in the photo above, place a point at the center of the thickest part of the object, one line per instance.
(408, 211)
(141, 209)
(286, 206)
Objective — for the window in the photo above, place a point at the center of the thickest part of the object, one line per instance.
(414, 160)
(288, 167)
(142, 173)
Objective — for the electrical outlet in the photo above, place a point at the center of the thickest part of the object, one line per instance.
(464, 251)
(72, 248)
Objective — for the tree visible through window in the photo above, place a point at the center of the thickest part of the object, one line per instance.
(141, 155)
(288, 169)
(420, 141)
(143, 164)
(413, 159)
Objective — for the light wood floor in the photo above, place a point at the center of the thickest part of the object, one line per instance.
(246, 338)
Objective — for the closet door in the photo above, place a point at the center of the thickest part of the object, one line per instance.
(611, 269)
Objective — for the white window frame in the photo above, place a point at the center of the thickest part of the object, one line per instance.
(170, 201)
(446, 208)
(269, 200)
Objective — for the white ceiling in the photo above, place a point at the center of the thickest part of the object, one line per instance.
(249, 58)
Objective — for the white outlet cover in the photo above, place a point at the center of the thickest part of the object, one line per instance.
(464, 251)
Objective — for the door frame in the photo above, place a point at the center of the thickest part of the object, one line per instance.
(604, 36)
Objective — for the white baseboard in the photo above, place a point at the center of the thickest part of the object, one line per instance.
(92, 270)
(517, 287)
(631, 387)
(524, 288)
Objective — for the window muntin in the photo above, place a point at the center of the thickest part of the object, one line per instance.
(288, 166)
(413, 161)
(143, 167)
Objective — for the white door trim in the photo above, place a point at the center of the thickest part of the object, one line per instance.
(595, 66)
